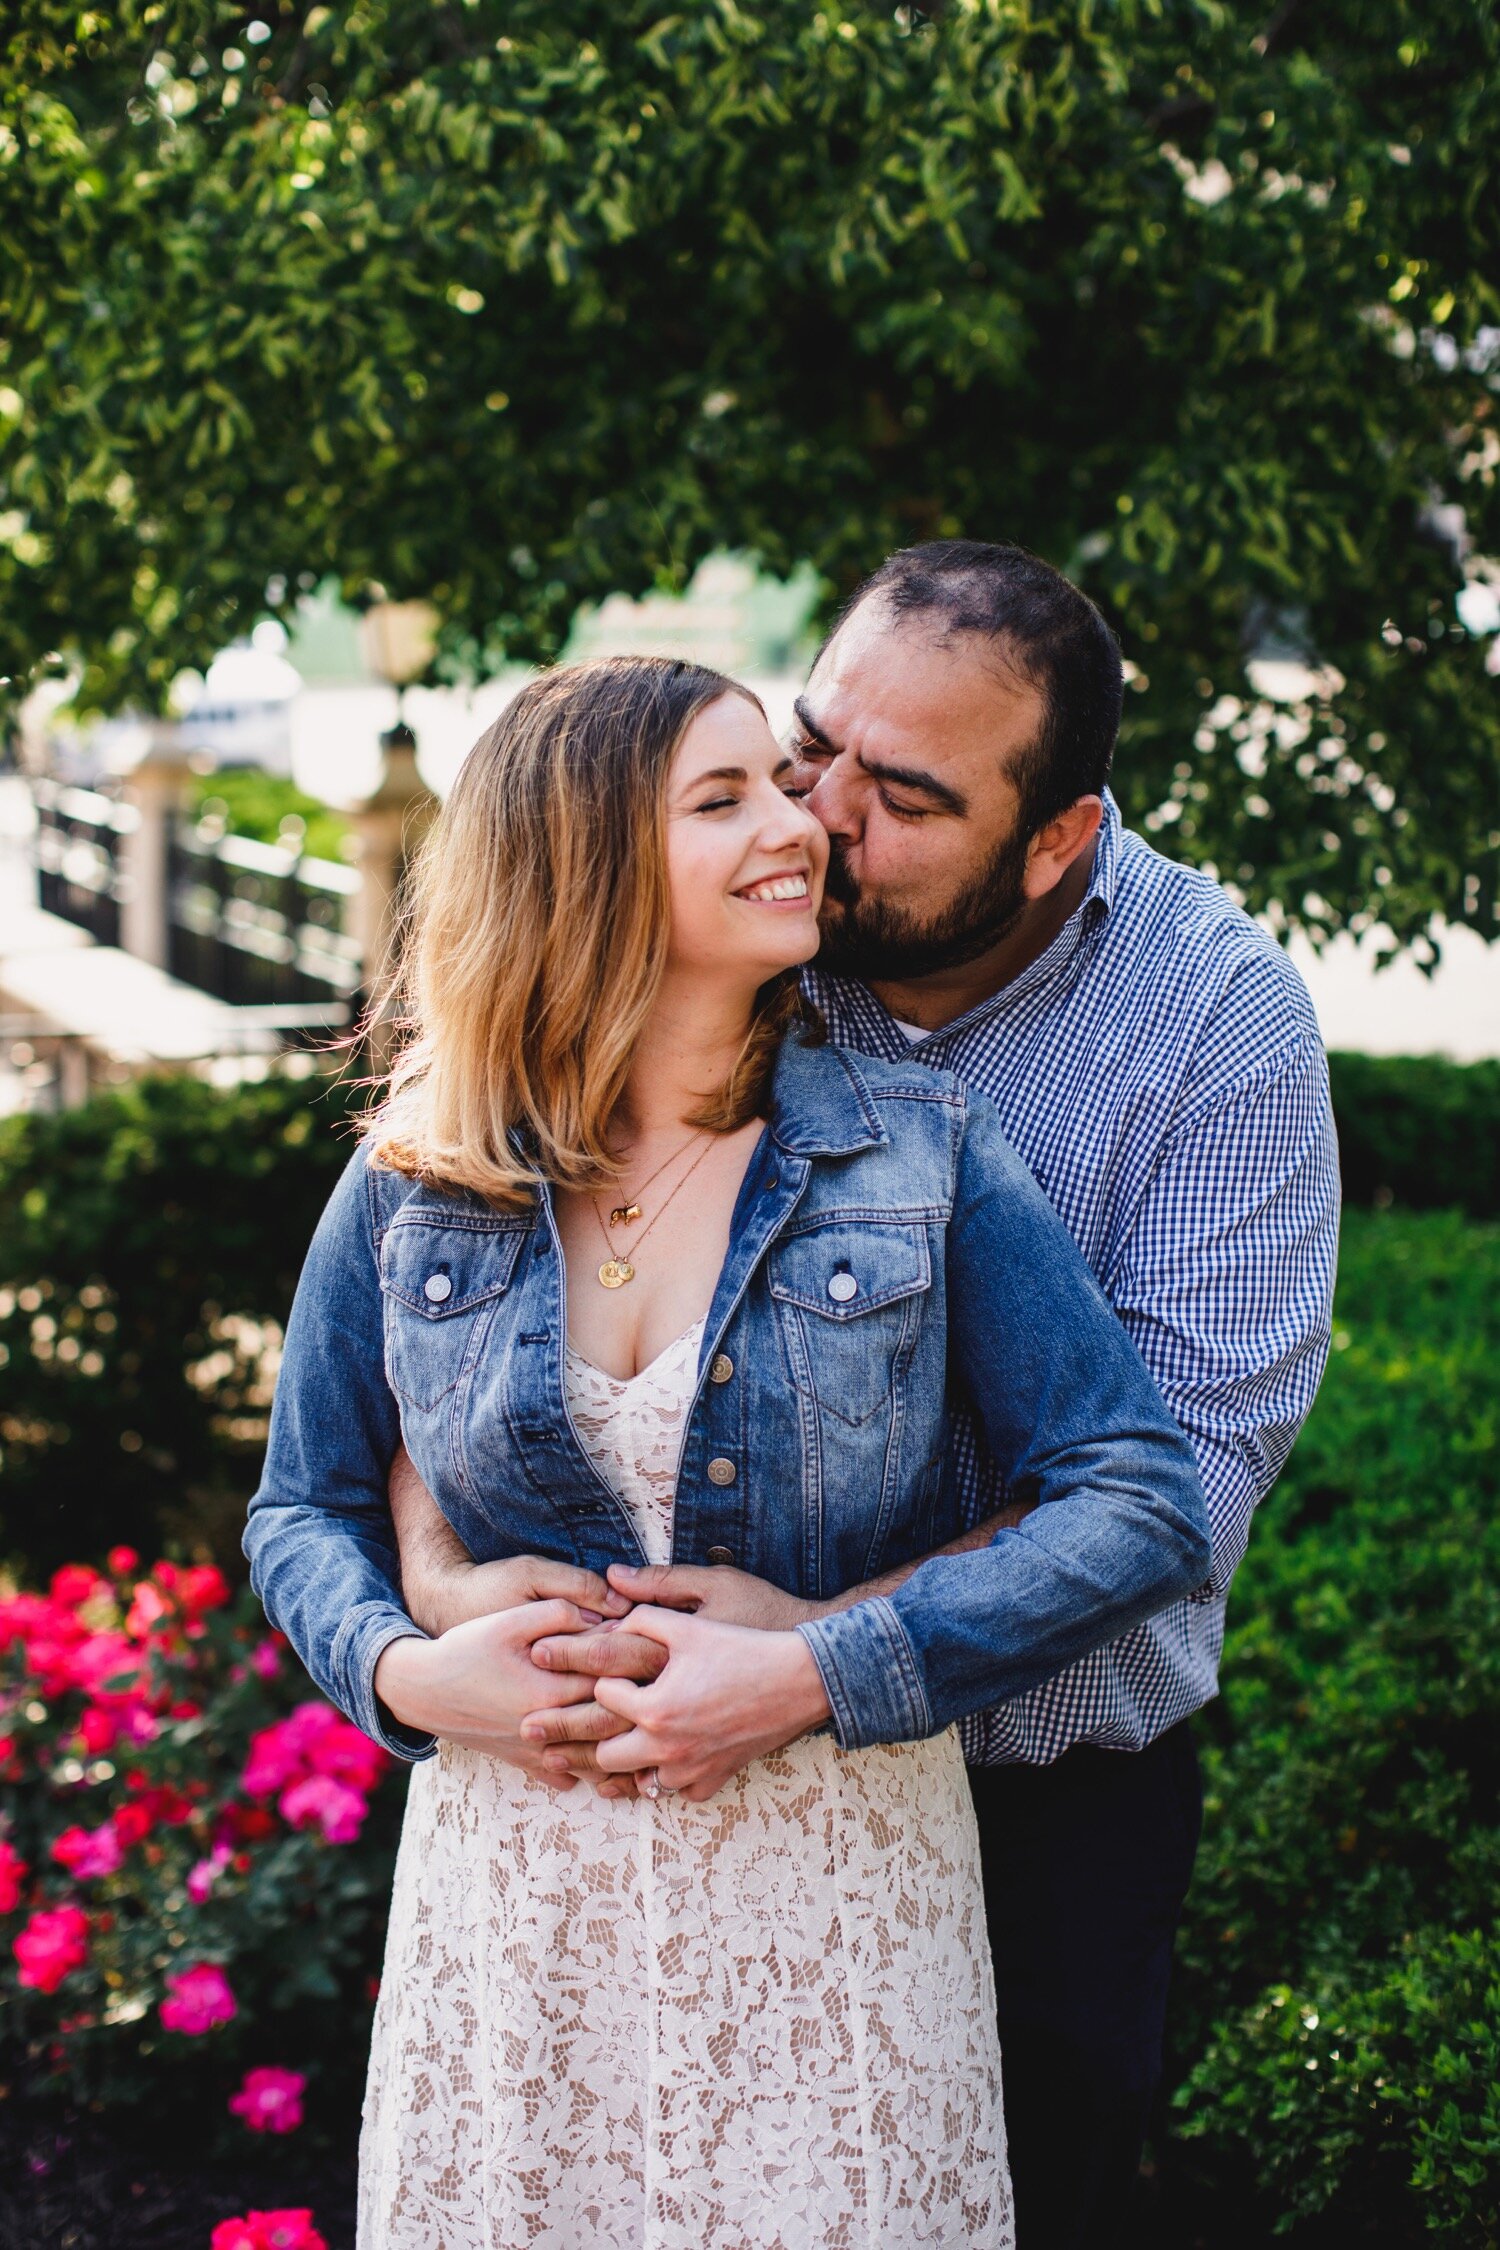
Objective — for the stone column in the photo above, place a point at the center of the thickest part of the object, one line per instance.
(156, 788)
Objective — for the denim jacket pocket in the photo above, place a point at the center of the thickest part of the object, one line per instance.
(846, 1295)
(439, 1284)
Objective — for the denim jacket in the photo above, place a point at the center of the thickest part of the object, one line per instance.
(888, 1252)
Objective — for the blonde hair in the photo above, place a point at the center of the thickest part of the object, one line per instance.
(535, 936)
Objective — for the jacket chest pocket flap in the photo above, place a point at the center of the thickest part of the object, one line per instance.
(848, 1293)
(438, 1283)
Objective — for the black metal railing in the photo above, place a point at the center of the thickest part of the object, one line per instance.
(77, 846)
(256, 924)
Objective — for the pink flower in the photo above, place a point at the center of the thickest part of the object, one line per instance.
(202, 1877)
(321, 1802)
(12, 1876)
(53, 1944)
(238, 2234)
(270, 2101)
(121, 1561)
(199, 1998)
(202, 1587)
(147, 1610)
(315, 1746)
(265, 1659)
(99, 1729)
(347, 1755)
(274, 1762)
(89, 1852)
(268, 2230)
(73, 1584)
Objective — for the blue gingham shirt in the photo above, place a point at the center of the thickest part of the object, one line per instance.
(1160, 1070)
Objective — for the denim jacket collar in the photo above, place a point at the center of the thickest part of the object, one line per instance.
(821, 1102)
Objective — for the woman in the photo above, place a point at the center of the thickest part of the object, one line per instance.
(636, 1268)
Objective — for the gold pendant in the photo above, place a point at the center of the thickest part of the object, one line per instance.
(624, 1214)
(615, 1272)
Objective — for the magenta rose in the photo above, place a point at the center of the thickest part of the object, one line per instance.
(198, 1998)
(270, 2101)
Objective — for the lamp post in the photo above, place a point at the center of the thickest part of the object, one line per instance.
(397, 639)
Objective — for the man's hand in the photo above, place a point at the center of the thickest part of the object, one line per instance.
(443, 1586)
(717, 1593)
(571, 1735)
(728, 1694)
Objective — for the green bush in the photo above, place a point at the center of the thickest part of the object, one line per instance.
(1368, 2095)
(1418, 1131)
(150, 1243)
(1353, 1781)
(258, 804)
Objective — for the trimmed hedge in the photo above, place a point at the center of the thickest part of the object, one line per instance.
(1417, 1131)
(150, 1242)
(1336, 2012)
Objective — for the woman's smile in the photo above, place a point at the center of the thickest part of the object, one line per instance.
(777, 890)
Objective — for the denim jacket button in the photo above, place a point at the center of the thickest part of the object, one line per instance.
(721, 1369)
(721, 1554)
(720, 1471)
(437, 1288)
(842, 1287)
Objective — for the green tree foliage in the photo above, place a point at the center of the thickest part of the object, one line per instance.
(512, 302)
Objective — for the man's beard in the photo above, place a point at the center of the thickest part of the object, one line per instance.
(885, 945)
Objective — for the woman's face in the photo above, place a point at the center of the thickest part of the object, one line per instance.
(745, 863)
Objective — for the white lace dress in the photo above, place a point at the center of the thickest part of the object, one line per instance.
(761, 2023)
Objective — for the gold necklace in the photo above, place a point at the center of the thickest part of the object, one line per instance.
(625, 1214)
(617, 1268)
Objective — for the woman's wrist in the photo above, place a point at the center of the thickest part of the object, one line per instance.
(803, 1694)
(401, 1679)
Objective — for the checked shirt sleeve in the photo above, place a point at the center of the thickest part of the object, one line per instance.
(1225, 1279)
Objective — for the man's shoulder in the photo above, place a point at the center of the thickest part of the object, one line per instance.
(1179, 927)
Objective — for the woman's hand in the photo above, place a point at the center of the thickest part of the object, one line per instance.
(718, 1594)
(476, 1683)
(728, 1694)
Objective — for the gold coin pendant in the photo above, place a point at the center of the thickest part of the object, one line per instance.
(615, 1272)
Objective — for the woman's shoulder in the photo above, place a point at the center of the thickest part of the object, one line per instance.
(903, 1112)
(389, 1195)
(835, 1097)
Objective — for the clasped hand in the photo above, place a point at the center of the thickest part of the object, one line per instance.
(731, 1681)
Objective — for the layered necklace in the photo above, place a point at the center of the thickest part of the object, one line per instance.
(618, 1267)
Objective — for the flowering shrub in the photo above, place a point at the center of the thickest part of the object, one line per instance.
(195, 1861)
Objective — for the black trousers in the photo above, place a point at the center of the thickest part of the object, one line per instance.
(1086, 1865)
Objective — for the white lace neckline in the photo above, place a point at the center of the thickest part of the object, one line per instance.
(667, 1353)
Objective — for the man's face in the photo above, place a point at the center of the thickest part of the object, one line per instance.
(907, 744)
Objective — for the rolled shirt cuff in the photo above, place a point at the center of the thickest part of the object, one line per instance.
(870, 1675)
(368, 1629)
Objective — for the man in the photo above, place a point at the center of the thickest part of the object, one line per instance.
(1155, 1059)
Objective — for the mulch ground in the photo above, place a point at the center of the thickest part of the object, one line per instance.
(74, 2183)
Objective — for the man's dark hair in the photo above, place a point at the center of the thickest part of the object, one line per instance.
(1045, 629)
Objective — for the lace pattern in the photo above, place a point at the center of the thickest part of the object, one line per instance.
(761, 2023)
